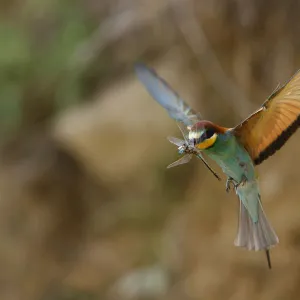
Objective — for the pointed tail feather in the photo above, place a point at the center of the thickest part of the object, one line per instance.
(255, 235)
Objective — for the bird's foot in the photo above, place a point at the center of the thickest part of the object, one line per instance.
(242, 182)
(229, 181)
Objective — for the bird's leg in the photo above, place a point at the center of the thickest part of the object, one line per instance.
(229, 181)
(242, 182)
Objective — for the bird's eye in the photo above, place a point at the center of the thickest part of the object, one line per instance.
(207, 134)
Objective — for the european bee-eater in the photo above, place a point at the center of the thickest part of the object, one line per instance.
(236, 150)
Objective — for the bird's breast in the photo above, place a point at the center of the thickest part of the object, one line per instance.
(232, 158)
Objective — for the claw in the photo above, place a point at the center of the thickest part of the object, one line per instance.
(242, 182)
(228, 182)
(235, 185)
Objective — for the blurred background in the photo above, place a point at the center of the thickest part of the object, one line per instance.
(87, 208)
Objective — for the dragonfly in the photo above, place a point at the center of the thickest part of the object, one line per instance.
(187, 149)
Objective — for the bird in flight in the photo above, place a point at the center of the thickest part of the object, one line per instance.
(236, 150)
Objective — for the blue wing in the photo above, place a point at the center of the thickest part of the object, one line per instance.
(176, 107)
(165, 95)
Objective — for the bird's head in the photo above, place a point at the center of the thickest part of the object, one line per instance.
(204, 134)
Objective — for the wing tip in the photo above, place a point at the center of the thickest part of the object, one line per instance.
(141, 68)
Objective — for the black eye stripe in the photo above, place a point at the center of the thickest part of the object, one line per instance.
(195, 137)
(207, 134)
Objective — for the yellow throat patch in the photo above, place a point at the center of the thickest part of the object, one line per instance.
(207, 143)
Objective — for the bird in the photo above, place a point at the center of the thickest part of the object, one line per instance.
(237, 150)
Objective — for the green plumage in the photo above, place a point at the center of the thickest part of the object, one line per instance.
(234, 150)
(255, 232)
(236, 164)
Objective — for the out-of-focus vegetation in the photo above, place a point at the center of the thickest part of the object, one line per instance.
(87, 208)
(38, 76)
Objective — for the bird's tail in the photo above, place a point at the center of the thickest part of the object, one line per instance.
(257, 235)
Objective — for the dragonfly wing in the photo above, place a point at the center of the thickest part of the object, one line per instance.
(176, 141)
(184, 130)
(183, 160)
(165, 95)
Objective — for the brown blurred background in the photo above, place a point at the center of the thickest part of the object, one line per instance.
(87, 208)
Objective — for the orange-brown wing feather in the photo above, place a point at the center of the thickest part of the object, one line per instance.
(267, 130)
